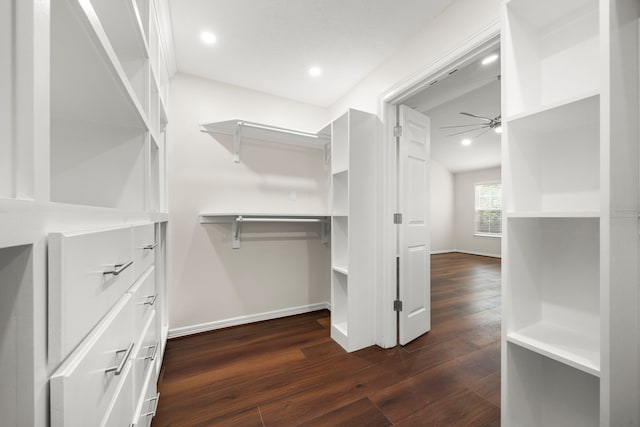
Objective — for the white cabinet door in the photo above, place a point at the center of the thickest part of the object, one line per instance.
(413, 198)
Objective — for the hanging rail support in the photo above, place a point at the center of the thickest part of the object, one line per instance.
(235, 232)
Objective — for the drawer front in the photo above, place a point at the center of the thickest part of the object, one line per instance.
(83, 388)
(144, 248)
(145, 300)
(121, 411)
(148, 401)
(146, 355)
(88, 273)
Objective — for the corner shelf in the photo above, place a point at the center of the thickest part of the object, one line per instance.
(236, 219)
(245, 129)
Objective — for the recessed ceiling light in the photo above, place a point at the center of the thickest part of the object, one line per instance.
(208, 37)
(465, 142)
(315, 71)
(489, 59)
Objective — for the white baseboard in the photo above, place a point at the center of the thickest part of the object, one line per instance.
(446, 251)
(243, 320)
(478, 253)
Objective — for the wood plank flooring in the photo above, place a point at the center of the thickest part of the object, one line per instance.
(288, 372)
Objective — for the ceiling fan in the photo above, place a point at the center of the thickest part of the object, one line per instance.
(486, 125)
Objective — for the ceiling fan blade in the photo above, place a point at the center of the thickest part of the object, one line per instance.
(481, 133)
(460, 126)
(468, 130)
(476, 116)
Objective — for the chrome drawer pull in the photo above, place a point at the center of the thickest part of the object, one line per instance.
(153, 300)
(155, 407)
(155, 352)
(117, 370)
(118, 268)
(150, 247)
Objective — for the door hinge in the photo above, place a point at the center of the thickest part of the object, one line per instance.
(397, 131)
(397, 305)
(397, 218)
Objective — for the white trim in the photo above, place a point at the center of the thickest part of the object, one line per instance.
(445, 251)
(478, 253)
(387, 112)
(243, 320)
(489, 236)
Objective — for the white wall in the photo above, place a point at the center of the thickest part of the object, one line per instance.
(278, 266)
(465, 213)
(458, 23)
(442, 209)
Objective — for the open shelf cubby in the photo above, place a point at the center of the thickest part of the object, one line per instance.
(97, 132)
(340, 145)
(554, 159)
(16, 334)
(340, 242)
(340, 194)
(543, 392)
(554, 294)
(6, 99)
(119, 19)
(339, 307)
(552, 46)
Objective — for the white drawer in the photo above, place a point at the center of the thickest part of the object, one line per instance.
(145, 299)
(148, 403)
(83, 388)
(145, 357)
(121, 411)
(88, 273)
(144, 248)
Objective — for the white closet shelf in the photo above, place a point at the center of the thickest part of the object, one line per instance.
(583, 109)
(236, 219)
(341, 269)
(563, 345)
(536, 13)
(245, 129)
(553, 214)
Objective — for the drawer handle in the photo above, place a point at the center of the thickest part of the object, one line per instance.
(155, 352)
(155, 399)
(118, 268)
(117, 370)
(150, 247)
(153, 299)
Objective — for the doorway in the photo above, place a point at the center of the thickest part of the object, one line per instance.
(458, 83)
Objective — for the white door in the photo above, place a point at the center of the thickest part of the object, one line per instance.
(413, 234)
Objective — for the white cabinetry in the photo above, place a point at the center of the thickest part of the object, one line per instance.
(107, 330)
(353, 137)
(79, 150)
(570, 244)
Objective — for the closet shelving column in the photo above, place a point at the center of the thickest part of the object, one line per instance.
(352, 230)
(565, 180)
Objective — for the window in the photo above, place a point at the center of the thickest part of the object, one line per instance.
(488, 216)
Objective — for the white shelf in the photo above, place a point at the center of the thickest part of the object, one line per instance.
(261, 132)
(569, 112)
(558, 214)
(236, 219)
(574, 349)
(341, 269)
(342, 327)
(553, 274)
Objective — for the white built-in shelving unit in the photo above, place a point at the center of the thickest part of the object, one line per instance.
(83, 111)
(353, 138)
(570, 180)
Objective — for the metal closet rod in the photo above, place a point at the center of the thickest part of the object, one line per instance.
(283, 219)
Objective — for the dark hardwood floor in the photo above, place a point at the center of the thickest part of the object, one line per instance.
(288, 372)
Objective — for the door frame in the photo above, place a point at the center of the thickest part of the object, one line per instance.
(488, 38)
